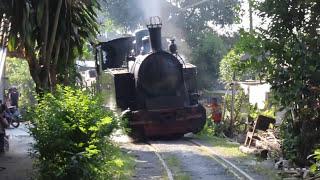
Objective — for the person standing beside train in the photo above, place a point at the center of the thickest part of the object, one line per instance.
(216, 114)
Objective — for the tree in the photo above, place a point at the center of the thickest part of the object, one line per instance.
(49, 35)
(292, 38)
(126, 14)
(188, 15)
(293, 41)
(207, 56)
(195, 18)
(246, 60)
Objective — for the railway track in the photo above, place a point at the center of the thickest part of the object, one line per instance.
(230, 170)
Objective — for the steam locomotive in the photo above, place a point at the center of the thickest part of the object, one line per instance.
(155, 89)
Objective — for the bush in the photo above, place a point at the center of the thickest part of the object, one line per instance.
(71, 131)
(241, 105)
(212, 129)
(315, 167)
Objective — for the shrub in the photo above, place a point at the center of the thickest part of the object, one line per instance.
(241, 105)
(71, 131)
(212, 129)
(315, 167)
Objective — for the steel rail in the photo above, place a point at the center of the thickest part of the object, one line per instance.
(155, 150)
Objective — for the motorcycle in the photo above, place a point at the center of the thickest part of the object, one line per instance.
(13, 116)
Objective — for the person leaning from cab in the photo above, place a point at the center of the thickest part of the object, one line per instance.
(3, 125)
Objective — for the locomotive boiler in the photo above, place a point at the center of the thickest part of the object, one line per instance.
(155, 89)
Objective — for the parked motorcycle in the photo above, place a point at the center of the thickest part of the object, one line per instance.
(13, 116)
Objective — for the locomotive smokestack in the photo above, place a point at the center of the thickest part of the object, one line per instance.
(155, 33)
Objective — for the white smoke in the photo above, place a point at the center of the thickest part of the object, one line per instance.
(163, 9)
(150, 8)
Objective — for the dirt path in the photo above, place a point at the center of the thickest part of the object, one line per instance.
(16, 163)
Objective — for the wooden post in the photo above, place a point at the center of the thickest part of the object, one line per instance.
(232, 103)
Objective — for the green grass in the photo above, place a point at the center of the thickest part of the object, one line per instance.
(175, 167)
(272, 175)
(223, 146)
(128, 168)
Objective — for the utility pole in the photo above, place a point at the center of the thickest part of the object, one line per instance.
(250, 15)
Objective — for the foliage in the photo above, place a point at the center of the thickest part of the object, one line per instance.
(71, 133)
(229, 66)
(212, 129)
(127, 14)
(194, 18)
(206, 56)
(190, 18)
(290, 141)
(254, 112)
(292, 40)
(247, 60)
(315, 168)
(286, 55)
(18, 74)
(241, 102)
(50, 35)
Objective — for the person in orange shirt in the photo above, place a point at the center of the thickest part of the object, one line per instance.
(216, 114)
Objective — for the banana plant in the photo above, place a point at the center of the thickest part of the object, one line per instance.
(50, 35)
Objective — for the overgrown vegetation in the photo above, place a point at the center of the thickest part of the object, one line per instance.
(71, 132)
(315, 168)
(212, 129)
(240, 112)
(285, 54)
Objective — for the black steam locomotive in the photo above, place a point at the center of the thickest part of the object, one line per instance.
(154, 88)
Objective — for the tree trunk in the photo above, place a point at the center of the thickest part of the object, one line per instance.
(51, 75)
(54, 65)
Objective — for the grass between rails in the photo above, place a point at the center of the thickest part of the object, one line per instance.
(175, 166)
